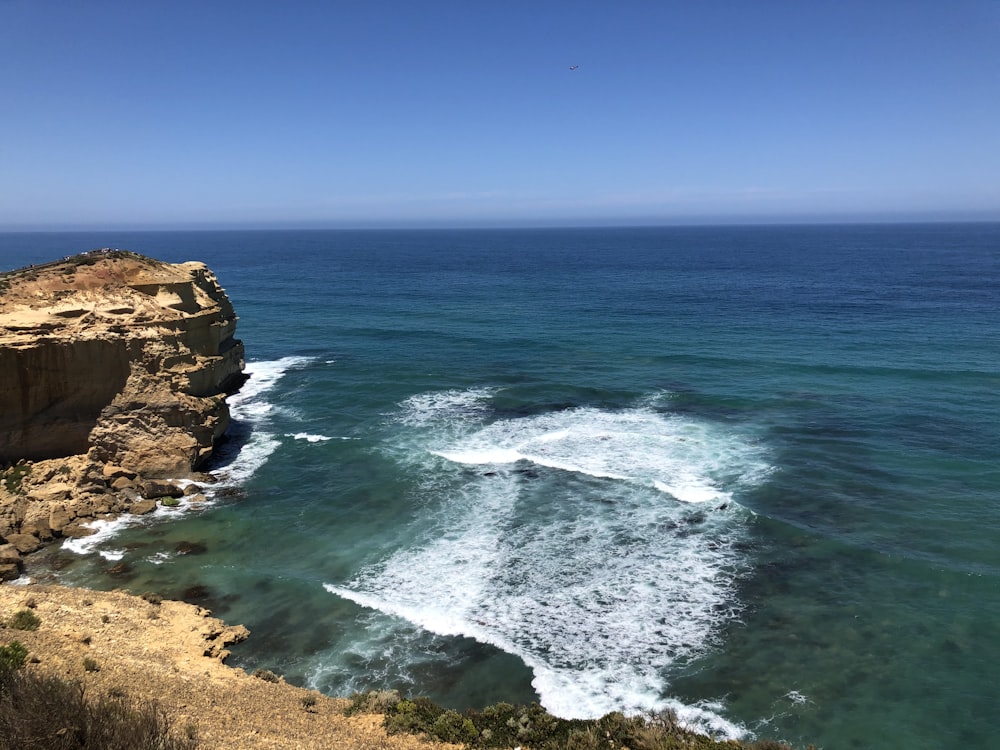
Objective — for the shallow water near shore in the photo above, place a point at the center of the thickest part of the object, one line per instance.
(747, 473)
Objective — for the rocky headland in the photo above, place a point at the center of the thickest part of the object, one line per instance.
(114, 369)
(114, 372)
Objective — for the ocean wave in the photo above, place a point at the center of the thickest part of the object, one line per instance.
(582, 541)
(691, 461)
(250, 441)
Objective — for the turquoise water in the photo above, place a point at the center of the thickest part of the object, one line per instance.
(749, 473)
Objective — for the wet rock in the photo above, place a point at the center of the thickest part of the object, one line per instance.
(142, 507)
(196, 593)
(119, 570)
(154, 489)
(77, 530)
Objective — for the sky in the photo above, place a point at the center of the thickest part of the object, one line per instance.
(166, 114)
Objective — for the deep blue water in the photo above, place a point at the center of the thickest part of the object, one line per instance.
(748, 472)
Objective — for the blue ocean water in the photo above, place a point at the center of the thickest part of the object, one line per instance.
(751, 473)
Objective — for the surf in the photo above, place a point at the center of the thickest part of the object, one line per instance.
(599, 546)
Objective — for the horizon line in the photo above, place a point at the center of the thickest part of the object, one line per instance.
(402, 225)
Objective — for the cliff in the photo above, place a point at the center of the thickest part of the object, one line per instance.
(117, 365)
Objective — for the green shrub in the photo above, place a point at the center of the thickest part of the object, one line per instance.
(12, 656)
(24, 620)
(412, 717)
(14, 478)
(451, 726)
(375, 702)
(89, 665)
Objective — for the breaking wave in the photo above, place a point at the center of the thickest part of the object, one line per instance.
(599, 546)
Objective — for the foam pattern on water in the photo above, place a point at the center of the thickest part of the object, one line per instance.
(596, 545)
(253, 442)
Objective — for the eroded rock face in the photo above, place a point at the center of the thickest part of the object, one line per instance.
(118, 356)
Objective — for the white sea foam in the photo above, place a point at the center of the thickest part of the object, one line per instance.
(565, 551)
(263, 377)
(103, 531)
(446, 407)
(249, 410)
(689, 460)
(308, 437)
(106, 530)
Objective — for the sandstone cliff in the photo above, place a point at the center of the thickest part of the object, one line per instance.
(117, 365)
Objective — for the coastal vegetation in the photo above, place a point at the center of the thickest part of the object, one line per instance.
(12, 656)
(504, 726)
(14, 477)
(24, 619)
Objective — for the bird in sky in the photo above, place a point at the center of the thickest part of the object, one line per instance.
(573, 67)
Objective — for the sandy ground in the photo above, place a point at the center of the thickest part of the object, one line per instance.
(158, 651)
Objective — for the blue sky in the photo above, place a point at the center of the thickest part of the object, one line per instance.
(177, 113)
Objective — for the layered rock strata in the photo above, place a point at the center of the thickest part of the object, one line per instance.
(114, 369)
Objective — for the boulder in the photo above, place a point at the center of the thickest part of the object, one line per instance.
(113, 472)
(153, 489)
(121, 483)
(77, 529)
(142, 507)
(59, 517)
(9, 555)
(24, 543)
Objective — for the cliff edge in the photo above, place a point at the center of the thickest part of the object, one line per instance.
(114, 369)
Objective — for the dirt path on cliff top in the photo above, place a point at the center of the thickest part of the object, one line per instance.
(158, 652)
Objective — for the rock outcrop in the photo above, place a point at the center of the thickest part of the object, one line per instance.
(114, 369)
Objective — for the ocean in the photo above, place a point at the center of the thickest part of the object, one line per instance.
(748, 473)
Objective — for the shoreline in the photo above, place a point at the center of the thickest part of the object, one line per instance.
(171, 654)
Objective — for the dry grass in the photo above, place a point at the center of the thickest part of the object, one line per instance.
(41, 711)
